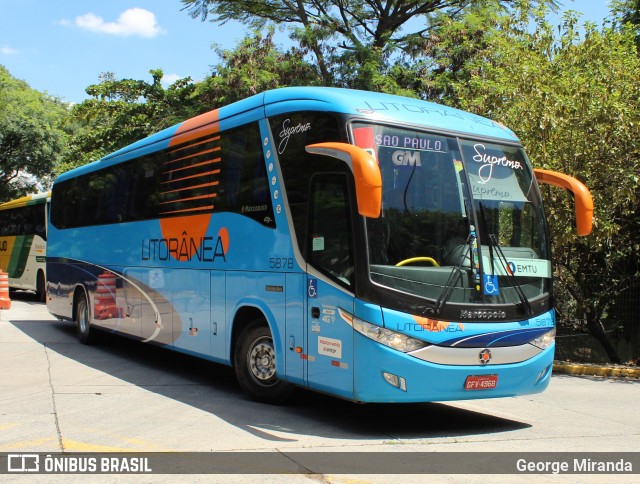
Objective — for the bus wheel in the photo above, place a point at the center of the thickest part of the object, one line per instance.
(41, 290)
(86, 334)
(255, 365)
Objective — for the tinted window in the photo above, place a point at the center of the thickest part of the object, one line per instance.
(331, 240)
(292, 132)
(216, 173)
(27, 220)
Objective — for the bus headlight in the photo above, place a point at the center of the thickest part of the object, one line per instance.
(544, 341)
(392, 339)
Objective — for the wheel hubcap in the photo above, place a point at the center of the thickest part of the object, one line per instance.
(262, 361)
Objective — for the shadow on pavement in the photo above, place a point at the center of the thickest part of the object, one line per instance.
(212, 388)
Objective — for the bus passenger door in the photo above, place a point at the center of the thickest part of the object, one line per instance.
(295, 349)
(329, 286)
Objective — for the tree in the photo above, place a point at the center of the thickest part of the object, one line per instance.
(31, 138)
(573, 101)
(361, 34)
(255, 65)
(628, 11)
(123, 111)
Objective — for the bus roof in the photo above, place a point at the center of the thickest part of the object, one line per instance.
(26, 200)
(369, 106)
(383, 107)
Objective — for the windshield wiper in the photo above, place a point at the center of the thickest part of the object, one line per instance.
(493, 241)
(494, 244)
(454, 275)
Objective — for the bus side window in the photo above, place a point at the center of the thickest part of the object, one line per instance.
(330, 239)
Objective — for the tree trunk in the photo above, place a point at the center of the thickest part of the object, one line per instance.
(596, 329)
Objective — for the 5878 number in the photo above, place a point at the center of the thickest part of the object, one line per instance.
(281, 263)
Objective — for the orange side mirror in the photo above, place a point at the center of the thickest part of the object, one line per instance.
(581, 194)
(366, 173)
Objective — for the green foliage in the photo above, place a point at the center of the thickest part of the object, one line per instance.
(573, 100)
(628, 12)
(254, 66)
(353, 43)
(31, 140)
(121, 112)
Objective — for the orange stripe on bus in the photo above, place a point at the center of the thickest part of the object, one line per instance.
(217, 148)
(207, 207)
(191, 145)
(190, 188)
(198, 127)
(204, 163)
(212, 172)
(207, 195)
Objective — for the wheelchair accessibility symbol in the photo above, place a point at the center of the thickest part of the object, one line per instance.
(491, 285)
(312, 290)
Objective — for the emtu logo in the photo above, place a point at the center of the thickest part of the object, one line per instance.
(511, 268)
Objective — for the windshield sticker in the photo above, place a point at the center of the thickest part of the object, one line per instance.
(422, 143)
(365, 139)
(406, 158)
(485, 172)
(491, 285)
(520, 267)
(288, 130)
(502, 189)
(317, 244)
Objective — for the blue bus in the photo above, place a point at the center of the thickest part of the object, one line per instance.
(373, 247)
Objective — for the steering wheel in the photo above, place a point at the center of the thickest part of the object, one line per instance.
(417, 259)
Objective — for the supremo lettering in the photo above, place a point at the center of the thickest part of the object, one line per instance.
(203, 249)
(288, 130)
(488, 161)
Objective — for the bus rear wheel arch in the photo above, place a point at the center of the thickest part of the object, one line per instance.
(254, 362)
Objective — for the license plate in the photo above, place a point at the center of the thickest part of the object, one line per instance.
(481, 382)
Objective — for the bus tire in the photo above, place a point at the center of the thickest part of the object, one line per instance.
(86, 334)
(255, 364)
(41, 288)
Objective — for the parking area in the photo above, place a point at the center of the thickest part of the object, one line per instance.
(57, 395)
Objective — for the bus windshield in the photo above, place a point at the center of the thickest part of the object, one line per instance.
(461, 219)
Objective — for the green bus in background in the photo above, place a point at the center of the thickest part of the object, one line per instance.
(23, 242)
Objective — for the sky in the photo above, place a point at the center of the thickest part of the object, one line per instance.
(62, 46)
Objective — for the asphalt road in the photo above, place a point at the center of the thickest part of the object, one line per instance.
(57, 395)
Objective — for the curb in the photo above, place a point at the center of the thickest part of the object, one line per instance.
(595, 370)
